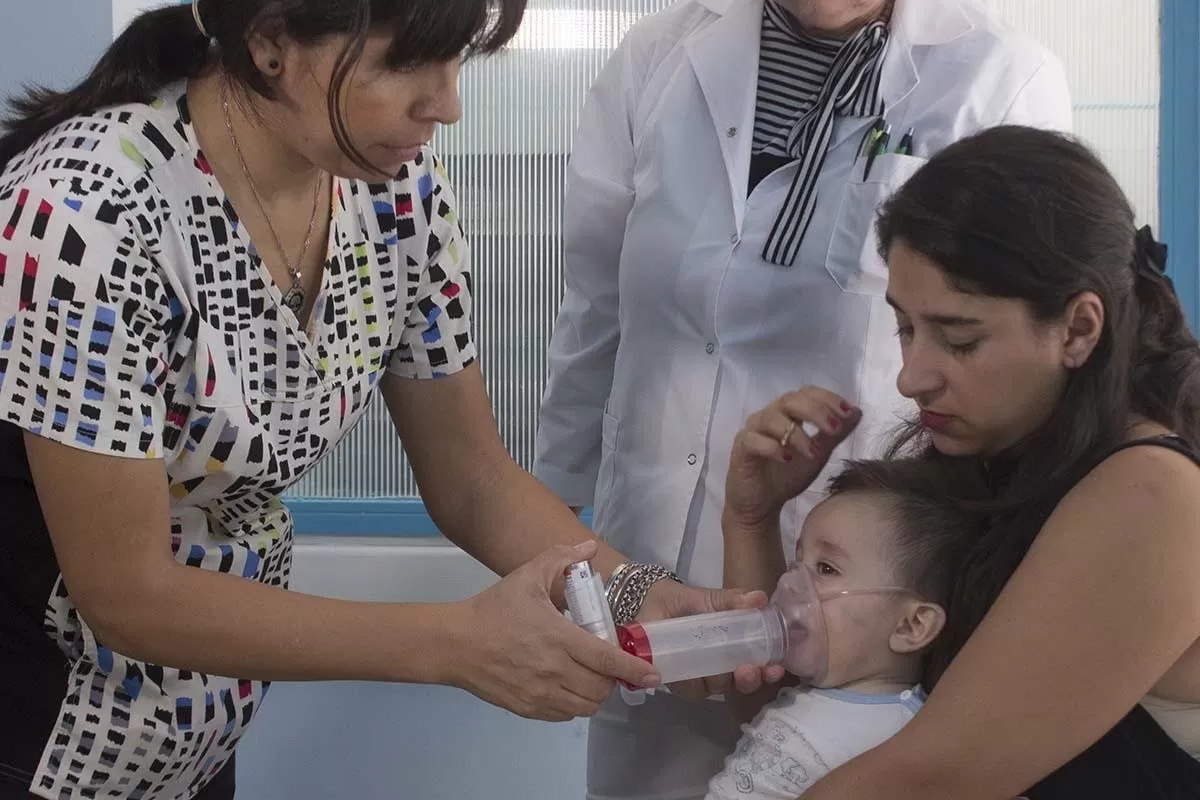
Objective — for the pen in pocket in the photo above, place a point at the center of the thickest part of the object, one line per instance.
(870, 138)
(879, 149)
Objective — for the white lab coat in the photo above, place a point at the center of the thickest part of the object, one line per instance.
(673, 330)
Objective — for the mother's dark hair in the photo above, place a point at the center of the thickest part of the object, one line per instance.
(166, 45)
(1033, 215)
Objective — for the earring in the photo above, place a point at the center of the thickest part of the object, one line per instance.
(273, 65)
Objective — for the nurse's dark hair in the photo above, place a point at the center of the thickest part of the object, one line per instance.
(165, 45)
(1032, 215)
(935, 519)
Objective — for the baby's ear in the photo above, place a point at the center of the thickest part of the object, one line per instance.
(920, 625)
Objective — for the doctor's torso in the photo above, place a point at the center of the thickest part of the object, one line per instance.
(709, 331)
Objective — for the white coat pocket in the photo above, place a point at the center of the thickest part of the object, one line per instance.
(853, 261)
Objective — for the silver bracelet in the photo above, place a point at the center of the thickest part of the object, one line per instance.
(628, 587)
(615, 582)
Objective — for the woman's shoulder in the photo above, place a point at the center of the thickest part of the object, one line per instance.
(118, 143)
(88, 193)
(418, 201)
(110, 158)
(1156, 438)
(1147, 444)
(1153, 473)
(423, 178)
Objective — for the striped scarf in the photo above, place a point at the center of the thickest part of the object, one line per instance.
(851, 89)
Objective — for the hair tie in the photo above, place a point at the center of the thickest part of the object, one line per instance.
(199, 22)
(1149, 254)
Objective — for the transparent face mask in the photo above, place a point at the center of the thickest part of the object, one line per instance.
(801, 605)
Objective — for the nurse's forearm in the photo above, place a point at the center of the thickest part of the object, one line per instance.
(226, 625)
(478, 497)
(107, 518)
(754, 557)
(511, 517)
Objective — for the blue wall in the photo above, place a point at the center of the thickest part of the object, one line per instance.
(51, 42)
(1180, 148)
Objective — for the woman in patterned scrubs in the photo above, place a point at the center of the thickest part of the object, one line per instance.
(213, 252)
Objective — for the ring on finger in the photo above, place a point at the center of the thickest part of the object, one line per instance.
(787, 435)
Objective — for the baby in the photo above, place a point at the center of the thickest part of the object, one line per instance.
(881, 551)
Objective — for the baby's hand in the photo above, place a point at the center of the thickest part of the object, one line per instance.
(774, 458)
(750, 679)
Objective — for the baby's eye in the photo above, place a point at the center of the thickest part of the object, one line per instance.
(826, 569)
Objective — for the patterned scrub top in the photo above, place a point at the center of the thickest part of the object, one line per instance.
(137, 321)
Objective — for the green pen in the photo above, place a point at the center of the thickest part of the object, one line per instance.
(871, 137)
(879, 149)
(906, 143)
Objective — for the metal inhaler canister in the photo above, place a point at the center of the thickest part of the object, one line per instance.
(589, 609)
(586, 601)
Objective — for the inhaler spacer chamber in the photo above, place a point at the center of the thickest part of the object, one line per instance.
(790, 630)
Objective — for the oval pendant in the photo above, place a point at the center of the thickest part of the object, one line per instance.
(294, 299)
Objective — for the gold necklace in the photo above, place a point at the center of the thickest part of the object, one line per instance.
(294, 297)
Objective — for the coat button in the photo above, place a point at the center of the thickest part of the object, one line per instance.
(709, 348)
(734, 239)
(692, 459)
(731, 132)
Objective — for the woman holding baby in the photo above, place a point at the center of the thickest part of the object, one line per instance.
(1046, 350)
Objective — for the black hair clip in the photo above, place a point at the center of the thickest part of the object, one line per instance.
(1149, 253)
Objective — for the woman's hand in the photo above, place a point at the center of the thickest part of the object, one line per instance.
(514, 649)
(775, 459)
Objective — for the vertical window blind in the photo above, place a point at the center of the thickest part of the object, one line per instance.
(507, 159)
(1111, 52)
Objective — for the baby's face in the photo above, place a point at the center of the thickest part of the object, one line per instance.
(846, 543)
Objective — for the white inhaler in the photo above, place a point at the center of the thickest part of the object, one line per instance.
(789, 631)
(586, 602)
(589, 610)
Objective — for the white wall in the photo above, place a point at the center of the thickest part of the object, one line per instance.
(1110, 51)
(381, 742)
